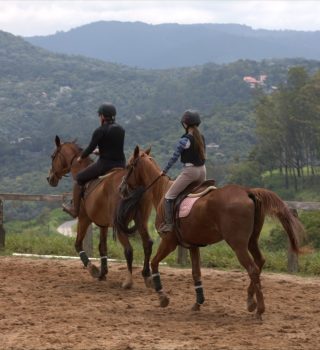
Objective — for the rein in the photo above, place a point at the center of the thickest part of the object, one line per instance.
(129, 206)
(152, 183)
(125, 178)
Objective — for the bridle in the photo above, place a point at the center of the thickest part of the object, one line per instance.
(66, 169)
(131, 167)
(124, 181)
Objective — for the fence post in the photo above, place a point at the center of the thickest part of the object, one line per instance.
(182, 255)
(88, 242)
(293, 265)
(2, 230)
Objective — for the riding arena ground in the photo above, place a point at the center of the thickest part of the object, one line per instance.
(55, 304)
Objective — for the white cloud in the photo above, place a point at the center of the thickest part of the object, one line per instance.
(46, 17)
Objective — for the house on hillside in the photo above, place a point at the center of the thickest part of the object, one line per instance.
(253, 82)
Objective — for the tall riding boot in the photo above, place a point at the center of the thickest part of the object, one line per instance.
(167, 226)
(74, 207)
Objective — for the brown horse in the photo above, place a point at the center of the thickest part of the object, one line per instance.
(98, 206)
(232, 213)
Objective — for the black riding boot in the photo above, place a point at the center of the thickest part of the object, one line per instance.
(167, 226)
(74, 207)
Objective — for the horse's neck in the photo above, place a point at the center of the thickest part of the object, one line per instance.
(159, 190)
(77, 167)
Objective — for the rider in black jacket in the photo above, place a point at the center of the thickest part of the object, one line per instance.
(109, 140)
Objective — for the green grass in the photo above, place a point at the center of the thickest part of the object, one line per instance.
(308, 186)
(39, 236)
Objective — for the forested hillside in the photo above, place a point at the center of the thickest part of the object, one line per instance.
(175, 45)
(43, 94)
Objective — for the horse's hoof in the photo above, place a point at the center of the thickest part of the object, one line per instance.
(148, 282)
(196, 307)
(94, 271)
(164, 300)
(127, 285)
(102, 278)
(251, 306)
(258, 316)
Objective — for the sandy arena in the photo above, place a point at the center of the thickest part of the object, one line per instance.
(55, 304)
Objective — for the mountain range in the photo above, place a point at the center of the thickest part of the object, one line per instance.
(142, 45)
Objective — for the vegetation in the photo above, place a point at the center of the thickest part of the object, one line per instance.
(288, 128)
(40, 237)
(43, 94)
(267, 136)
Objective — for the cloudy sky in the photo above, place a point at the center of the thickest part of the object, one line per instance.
(44, 17)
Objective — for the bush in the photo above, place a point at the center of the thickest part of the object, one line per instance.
(311, 222)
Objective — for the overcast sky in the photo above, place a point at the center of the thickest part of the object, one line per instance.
(44, 17)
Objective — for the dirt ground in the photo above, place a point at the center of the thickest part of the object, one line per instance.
(55, 304)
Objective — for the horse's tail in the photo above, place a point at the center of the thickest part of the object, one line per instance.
(128, 211)
(269, 203)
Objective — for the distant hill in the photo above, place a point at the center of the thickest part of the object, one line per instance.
(174, 45)
(43, 94)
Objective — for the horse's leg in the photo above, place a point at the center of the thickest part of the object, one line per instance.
(83, 224)
(103, 253)
(167, 245)
(147, 243)
(128, 253)
(196, 274)
(254, 273)
(259, 260)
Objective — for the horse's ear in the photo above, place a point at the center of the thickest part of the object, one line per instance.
(136, 152)
(57, 140)
(148, 150)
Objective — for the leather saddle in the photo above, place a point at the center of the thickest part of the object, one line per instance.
(193, 188)
(92, 184)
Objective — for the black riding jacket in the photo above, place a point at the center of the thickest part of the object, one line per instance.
(109, 138)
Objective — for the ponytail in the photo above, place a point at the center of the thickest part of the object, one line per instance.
(199, 142)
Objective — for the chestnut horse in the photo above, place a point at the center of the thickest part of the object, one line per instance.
(232, 213)
(98, 206)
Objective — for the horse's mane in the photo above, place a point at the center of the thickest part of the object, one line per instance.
(128, 210)
(74, 145)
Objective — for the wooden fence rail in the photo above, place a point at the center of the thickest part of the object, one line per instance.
(182, 252)
(87, 242)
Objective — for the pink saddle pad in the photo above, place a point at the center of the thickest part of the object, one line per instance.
(186, 206)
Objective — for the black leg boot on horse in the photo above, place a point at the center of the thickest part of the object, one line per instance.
(167, 226)
(74, 207)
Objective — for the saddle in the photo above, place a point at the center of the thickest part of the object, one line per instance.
(94, 183)
(191, 194)
(194, 190)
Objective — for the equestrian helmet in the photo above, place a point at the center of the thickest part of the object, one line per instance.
(108, 110)
(191, 118)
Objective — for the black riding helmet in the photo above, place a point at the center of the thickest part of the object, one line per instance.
(191, 118)
(108, 110)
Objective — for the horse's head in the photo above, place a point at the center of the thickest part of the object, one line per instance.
(62, 159)
(132, 189)
(135, 171)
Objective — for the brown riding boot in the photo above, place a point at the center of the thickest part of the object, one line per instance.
(167, 226)
(74, 206)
